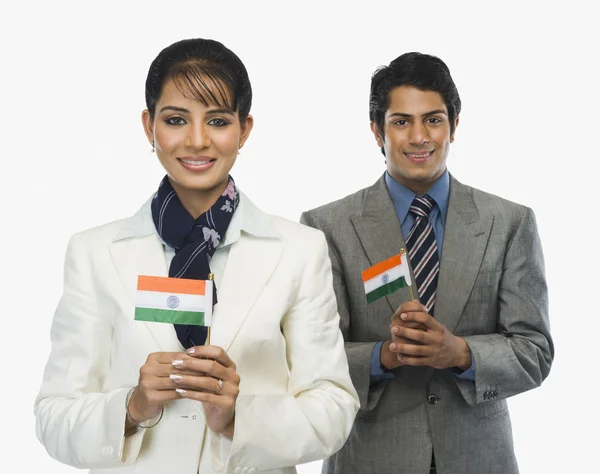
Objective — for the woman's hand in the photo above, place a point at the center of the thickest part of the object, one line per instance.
(208, 375)
(155, 386)
(202, 373)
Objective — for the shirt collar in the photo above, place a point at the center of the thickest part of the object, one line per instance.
(402, 197)
(247, 218)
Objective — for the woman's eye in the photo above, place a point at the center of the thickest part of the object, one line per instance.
(218, 122)
(175, 121)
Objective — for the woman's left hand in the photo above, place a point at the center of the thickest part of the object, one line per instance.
(216, 384)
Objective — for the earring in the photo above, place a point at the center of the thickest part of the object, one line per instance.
(240, 147)
(153, 149)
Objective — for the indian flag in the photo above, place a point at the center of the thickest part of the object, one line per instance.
(174, 300)
(386, 277)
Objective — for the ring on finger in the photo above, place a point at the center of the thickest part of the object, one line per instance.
(219, 385)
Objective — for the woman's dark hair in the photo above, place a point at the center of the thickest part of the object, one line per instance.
(423, 71)
(203, 69)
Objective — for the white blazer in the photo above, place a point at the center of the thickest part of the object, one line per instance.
(276, 318)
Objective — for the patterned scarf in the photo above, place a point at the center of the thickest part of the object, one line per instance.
(194, 241)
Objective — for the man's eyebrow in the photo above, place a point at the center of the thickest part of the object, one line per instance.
(426, 114)
(434, 112)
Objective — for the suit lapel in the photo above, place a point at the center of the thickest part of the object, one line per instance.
(143, 256)
(250, 264)
(380, 234)
(465, 240)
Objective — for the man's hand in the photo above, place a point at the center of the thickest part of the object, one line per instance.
(390, 360)
(420, 340)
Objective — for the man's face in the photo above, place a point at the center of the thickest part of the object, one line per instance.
(416, 137)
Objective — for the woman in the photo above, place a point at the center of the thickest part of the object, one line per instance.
(271, 388)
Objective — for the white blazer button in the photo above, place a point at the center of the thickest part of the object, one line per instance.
(238, 470)
(251, 470)
(245, 470)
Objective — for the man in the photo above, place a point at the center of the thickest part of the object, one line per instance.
(433, 376)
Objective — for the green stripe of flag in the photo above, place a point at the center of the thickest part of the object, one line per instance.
(386, 289)
(169, 316)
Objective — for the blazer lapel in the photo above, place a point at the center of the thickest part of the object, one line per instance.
(250, 264)
(465, 240)
(380, 234)
(143, 256)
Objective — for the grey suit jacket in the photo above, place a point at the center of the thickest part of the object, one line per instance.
(491, 291)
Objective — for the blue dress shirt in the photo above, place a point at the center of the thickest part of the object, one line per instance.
(402, 198)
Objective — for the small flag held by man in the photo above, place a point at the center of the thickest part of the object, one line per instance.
(386, 277)
(174, 300)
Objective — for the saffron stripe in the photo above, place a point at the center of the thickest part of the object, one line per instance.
(381, 267)
(171, 285)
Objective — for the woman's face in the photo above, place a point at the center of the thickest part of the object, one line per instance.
(196, 144)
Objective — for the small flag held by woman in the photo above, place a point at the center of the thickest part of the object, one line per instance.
(174, 300)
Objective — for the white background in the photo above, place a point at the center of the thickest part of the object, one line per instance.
(74, 155)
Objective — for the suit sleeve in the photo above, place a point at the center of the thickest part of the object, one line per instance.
(314, 418)
(77, 423)
(519, 356)
(359, 353)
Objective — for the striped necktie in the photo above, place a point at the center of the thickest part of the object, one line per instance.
(423, 252)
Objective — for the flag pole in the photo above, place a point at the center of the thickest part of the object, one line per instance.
(403, 252)
(211, 277)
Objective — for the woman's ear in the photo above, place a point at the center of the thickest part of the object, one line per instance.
(148, 124)
(246, 127)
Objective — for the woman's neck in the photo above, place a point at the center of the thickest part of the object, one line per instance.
(196, 201)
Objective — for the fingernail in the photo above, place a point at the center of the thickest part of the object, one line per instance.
(392, 347)
(399, 357)
(176, 378)
(177, 363)
(191, 350)
(403, 316)
(181, 392)
(394, 330)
